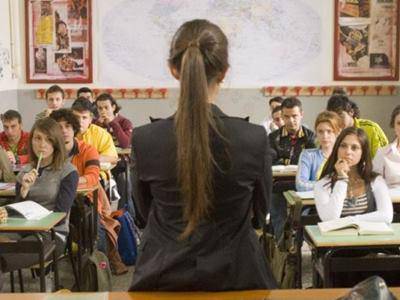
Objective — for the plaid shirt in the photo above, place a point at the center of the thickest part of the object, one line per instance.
(286, 148)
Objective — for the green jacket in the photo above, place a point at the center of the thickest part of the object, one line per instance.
(376, 136)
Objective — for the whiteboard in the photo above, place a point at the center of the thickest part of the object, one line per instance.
(271, 41)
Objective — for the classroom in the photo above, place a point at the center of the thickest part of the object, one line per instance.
(252, 148)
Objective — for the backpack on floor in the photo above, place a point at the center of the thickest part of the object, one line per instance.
(128, 237)
(96, 273)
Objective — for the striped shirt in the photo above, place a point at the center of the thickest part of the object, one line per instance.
(355, 206)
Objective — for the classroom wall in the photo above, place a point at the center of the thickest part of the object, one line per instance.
(235, 101)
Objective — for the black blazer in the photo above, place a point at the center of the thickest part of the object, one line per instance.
(223, 253)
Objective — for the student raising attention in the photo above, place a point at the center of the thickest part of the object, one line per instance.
(327, 127)
(348, 186)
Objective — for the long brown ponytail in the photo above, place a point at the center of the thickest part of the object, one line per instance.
(199, 54)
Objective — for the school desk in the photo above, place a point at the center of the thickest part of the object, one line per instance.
(327, 260)
(312, 218)
(35, 228)
(326, 294)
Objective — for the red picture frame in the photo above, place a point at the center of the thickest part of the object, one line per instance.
(366, 40)
(58, 39)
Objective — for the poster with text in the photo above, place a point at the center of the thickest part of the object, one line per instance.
(58, 41)
(366, 40)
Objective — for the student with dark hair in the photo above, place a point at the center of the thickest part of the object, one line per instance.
(110, 119)
(53, 186)
(348, 185)
(288, 141)
(277, 119)
(268, 123)
(195, 186)
(13, 139)
(92, 134)
(86, 160)
(286, 145)
(87, 93)
(348, 111)
(349, 188)
(54, 100)
(387, 159)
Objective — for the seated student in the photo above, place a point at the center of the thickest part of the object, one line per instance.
(268, 123)
(348, 186)
(327, 127)
(288, 141)
(387, 159)
(277, 119)
(54, 99)
(53, 185)
(13, 139)
(286, 145)
(6, 169)
(87, 93)
(109, 118)
(92, 134)
(86, 159)
(347, 111)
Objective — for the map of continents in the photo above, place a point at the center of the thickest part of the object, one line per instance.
(267, 38)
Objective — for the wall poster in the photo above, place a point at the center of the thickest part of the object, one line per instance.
(366, 40)
(58, 41)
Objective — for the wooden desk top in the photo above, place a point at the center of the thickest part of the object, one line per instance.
(124, 151)
(291, 196)
(284, 171)
(326, 294)
(321, 241)
(83, 189)
(9, 191)
(21, 224)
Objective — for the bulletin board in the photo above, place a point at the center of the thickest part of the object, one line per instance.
(366, 40)
(58, 41)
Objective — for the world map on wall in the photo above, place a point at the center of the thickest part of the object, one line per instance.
(267, 38)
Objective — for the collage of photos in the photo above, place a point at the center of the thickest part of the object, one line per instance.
(59, 35)
(366, 43)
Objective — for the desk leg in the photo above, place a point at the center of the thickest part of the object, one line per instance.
(94, 217)
(326, 262)
(55, 267)
(41, 263)
(299, 243)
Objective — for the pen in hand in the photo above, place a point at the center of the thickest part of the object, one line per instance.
(39, 161)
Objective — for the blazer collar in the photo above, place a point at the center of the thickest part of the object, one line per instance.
(215, 110)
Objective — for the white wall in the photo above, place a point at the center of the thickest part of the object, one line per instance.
(242, 102)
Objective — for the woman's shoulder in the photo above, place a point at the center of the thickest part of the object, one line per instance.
(311, 152)
(67, 169)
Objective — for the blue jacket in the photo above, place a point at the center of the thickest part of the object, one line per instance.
(310, 162)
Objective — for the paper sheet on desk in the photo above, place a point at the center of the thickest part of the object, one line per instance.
(283, 168)
(7, 185)
(306, 195)
(77, 296)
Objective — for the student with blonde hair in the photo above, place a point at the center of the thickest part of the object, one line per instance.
(327, 127)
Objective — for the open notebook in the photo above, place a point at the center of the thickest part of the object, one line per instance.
(29, 210)
(347, 226)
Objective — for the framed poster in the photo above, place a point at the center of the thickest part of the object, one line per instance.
(366, 40)
(58, 42)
